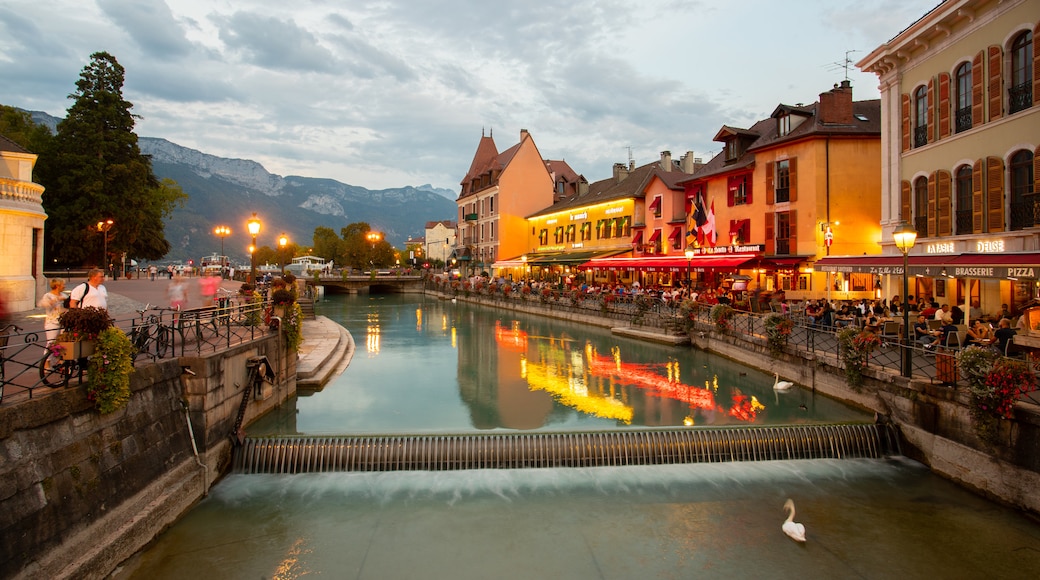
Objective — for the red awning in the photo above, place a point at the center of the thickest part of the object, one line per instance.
(676, 232)
(669, 263)
(656, 204)
(656, 236)
(638, 239)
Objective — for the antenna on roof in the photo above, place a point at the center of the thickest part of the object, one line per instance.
(844, 65)
(631, 159)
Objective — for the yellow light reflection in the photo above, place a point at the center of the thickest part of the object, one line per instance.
(372, 340)
(418, 319)
(292, 567)
(444, 322)
(454, 337)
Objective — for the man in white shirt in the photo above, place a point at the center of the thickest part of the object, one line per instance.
(93, 293)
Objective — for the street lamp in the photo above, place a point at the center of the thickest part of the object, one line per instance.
(373, 237)
(222, 232)
(905, 236)
(689, 259)
(103, 227)
(253, 225)
(283, 240)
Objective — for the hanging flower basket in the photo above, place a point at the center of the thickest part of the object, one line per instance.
(74, 350)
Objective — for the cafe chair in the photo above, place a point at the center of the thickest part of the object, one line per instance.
(890, 332)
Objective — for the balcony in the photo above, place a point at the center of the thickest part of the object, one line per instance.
(921, 136)
(965, 224)
(1024, 212)
(783, 247)
(1020, 97)
(921, 225)
(470, 217)
(963, 119)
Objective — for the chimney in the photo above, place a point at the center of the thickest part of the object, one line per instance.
(523, 133)
(620, 172)
(583, 186)
(666, 161)
(686, 163)
(836, 105)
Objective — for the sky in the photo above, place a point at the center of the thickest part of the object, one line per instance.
(389, 93)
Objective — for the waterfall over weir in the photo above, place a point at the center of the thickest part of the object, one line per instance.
(525, 450)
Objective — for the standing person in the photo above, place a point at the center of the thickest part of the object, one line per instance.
(208, 285)
(177, 292)
(90, 293)
(53, 305)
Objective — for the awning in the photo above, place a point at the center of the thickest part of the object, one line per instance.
(576, 257)
(676, 232)
(512, 263)
(655, 205)
(1003, 265)
(669, 263)
(638, 239)
(656, 236)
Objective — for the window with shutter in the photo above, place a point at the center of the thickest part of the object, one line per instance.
(920, 222)
(905, 113)
(1020, 89)
(996, 97)
(962, 98)
(944, 105)
(944, 203)
(1020, 167)
(1036, 66)
(783, 181)
(932, 210)
(976, 197)
(994, 194)
(920, 117)
(964, 200)
(977, 80)
(904, 202)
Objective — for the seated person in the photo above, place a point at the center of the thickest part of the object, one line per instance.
(980, 334)
(947, 329)
(1004, 335)
(921, 333)
(957, 313)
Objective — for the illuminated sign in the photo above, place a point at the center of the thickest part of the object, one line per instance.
(973, 272)
(580, 216)
(939, 248)
(614, 210)
(1014, 272)
(550, 222)
(991, 246)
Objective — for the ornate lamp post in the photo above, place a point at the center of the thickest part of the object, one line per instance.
(373, 237)
(689, 260)
(103, 227)
(905, 236)
(253, 225)
(283, 241)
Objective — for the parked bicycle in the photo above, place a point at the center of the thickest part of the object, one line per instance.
(56, 370)
(5, 334)
(151, 330)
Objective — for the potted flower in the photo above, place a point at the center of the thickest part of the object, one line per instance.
(778, 330)
(108, 386)
(281, 299)
(855, 347)
(994, 397)
(720, 315)
(80, 328)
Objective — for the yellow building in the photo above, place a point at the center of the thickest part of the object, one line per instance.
(961, 102)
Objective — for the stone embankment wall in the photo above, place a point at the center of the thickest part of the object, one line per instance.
(81, 492)
(934, 420)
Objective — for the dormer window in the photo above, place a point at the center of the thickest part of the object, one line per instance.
(732, 149)
(783, 125)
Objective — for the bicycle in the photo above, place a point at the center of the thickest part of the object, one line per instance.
(56, 371)
(5, 334)
(141, 334)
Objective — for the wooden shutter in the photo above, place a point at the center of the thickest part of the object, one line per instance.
(792, 165)
(944, 202)
(792, 240)
(729, 192)
(976, 197)
(994, 194)
(904, 201)
(943, 114)
(905, 102)
(1036, 78)
(770, 191)
(930, 96)
(932, 210)
(977, 77)
(770, 233)
(995, 68)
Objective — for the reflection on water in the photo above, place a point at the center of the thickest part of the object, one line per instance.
(435, 366)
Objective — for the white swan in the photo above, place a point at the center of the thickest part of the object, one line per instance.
(793, 529)
(779, 385)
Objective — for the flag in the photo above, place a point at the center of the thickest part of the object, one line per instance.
(710, 234)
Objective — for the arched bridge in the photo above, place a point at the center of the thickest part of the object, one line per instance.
(378, 284)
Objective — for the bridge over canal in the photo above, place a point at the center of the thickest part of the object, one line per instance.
(379, 284)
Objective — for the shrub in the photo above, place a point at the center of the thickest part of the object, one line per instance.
(721, 315)
(855, 347)
(108, 386)
(778, 330)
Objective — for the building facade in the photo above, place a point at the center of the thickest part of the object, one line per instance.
(439, 240)
(961, 103)
(21, 229)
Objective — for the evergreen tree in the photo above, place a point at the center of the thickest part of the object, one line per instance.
(95, 171)
(19, 127)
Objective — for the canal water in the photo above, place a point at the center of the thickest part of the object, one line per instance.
(424, 365)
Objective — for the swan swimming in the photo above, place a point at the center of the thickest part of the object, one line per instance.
(781, 385)
(792, 528)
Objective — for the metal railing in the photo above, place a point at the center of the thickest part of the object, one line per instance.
(27, 362)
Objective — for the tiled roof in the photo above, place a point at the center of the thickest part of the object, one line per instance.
(8, 145)
(483, 160)
(610, 189)
(450, 224)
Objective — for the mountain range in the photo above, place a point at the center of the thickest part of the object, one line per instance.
(225, 191)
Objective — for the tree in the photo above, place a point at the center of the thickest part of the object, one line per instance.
(95, 171)
(327, 244)
(19, 127)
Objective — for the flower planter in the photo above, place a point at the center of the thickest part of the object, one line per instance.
(76, 350)
(278, 310)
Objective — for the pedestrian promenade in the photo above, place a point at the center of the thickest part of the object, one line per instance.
(325, 352)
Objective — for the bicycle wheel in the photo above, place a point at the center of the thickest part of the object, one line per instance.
(56, 373)
(162, 341)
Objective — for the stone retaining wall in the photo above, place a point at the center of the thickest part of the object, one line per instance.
(81, 492)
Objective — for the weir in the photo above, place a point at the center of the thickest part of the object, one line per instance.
(572, 449)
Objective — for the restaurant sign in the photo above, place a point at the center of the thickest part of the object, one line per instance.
(734, 249)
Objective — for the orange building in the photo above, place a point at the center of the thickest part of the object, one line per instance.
(498, 192)
(800, 185)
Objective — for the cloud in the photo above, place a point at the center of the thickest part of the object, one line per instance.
(151, 25)
(272, 43)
